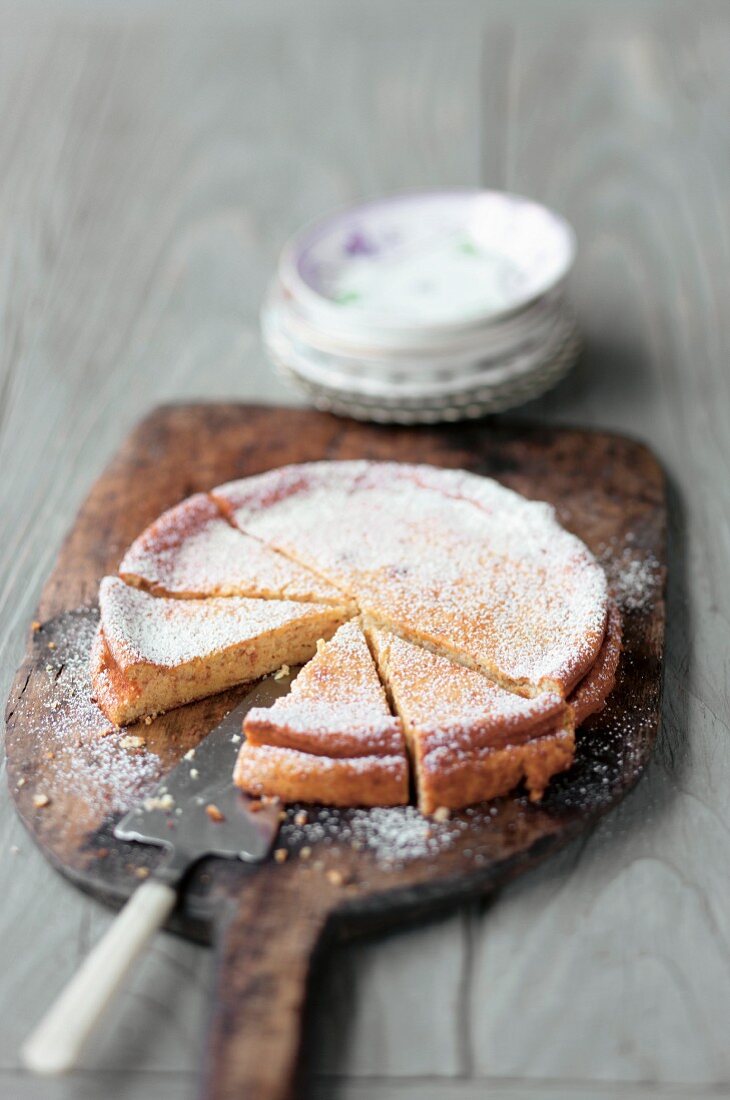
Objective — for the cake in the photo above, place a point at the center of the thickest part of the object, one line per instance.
(191, 551)
(153, 653)
(334, 736)
(455, 562)
(294, 776)
(450, 625)
(470, 739)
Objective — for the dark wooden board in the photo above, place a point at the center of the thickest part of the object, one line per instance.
(270, 919)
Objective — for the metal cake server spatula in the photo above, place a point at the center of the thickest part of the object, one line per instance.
(195, 811)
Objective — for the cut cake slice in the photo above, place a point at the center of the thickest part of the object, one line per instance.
(332, 739)
(153, 653)
(468, 738)
(193, 551)
(337, 705)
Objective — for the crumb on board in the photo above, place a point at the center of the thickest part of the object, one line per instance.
(281, 855)
(163, 801)
(214, 813)
(442, 813)
(132, 741)
(35, 626)
(41, 800)
(189, 754)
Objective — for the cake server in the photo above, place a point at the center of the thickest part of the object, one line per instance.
(195, 811)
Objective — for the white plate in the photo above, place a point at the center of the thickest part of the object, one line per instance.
(425, 262)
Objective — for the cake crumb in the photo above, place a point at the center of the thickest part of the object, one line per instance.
(281, 855)
(21, 782)
(194, 773)
(281, 672)
(164, 801)
(51, 645)
(236, 738)
(132, 741)
(41, 800)
(142, 872)
(442, 813)
(301, 818)
(35, 626)
(189, 754)
(305, 853)
(214, 813)
(148, 720)
(337, 878)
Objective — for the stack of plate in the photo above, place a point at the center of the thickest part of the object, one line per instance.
(425, 307)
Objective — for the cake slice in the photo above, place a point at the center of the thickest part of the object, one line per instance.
(193, 551)
(469, 739)
(295, 776)
(332, 739)
(153, 653)
(337, 705)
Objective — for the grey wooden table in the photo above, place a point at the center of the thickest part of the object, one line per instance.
(152, 160)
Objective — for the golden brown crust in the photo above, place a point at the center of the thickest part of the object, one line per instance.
(116, 696)
(464, 778)
(595, 687)
(297, 776)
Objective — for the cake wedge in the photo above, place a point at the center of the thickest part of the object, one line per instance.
(192, 551)
(468, 738)
(153, 653)
(333, 738)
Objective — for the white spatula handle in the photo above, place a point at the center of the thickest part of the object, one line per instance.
(55, 1044)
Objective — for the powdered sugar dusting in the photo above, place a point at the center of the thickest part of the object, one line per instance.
(140, 628)
(451, 707)
(192, 551)
(394, 835)
(337, 704)
(450, 558)
(92, 763)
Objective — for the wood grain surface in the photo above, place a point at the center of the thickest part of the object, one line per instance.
(153, 160)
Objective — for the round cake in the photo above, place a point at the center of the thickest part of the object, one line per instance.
(452, 633)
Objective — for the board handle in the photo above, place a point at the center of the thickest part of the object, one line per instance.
(265, 944)
(57, 1041)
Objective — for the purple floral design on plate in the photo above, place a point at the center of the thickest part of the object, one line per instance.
(357, 244)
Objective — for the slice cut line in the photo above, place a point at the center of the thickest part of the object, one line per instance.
(191, 552)
(450, 559)
(336, 707)
(470, 740)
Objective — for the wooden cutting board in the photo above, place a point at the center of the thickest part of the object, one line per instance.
(363, 871)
